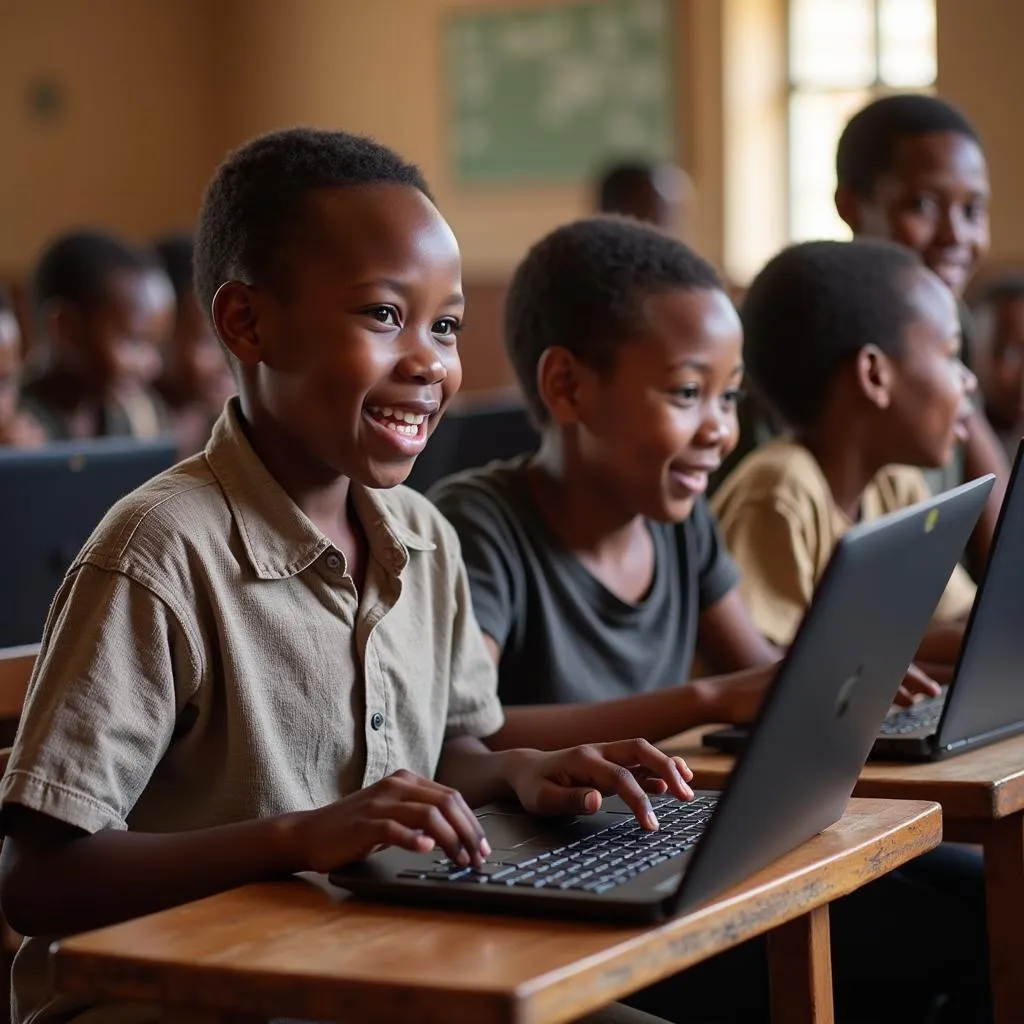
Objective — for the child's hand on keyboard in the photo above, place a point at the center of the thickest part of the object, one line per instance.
(573, 781)
(403, 810)
(916, 684)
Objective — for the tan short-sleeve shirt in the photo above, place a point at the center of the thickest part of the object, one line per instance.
(208, 660)
(781, 524)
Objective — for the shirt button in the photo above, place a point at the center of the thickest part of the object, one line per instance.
(376, 720)
(333, 562)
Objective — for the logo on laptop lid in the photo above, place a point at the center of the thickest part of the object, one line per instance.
(930, 520)
(845, 694)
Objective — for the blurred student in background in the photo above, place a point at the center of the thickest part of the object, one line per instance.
(103, 316)
(17, 428)
(658, 193)
(196, 379)
(999, 357)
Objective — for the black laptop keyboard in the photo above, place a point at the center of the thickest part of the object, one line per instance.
(596, 863)
(924, 714)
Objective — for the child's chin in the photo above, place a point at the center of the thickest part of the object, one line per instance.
(383, 477)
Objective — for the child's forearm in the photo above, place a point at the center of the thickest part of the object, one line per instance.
(652, 716)
(64, 882)
(479, 774)
(941, 643)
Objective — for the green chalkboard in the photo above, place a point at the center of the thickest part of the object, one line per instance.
(556, 91)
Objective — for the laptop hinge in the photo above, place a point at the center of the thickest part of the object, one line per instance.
(985, 737)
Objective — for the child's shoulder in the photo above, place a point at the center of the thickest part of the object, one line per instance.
(172, 510)
(900, 486)
(497, 489)
(779, 470)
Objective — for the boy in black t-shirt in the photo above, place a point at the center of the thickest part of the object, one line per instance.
(595, 565)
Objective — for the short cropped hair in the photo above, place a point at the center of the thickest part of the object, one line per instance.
(581, 287)
(867, 145)
(812, 308)
(77, 268)
(253, 207)
(619, 184)
(175, 255)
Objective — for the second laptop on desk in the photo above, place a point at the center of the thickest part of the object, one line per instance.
(984, 701)
(795, 777)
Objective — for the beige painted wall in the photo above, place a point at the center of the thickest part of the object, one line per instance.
(980, 68)
(158, 90)
(377, 68)
(132, 148)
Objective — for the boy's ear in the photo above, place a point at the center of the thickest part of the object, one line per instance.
(558, 382)
(875, 376)
(62, 322)
(848, 208)
(235, 319)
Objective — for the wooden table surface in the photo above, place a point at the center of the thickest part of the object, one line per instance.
(982, 798)
(985, 783)
(296, 948)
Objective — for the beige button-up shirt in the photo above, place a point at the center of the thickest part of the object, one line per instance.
(208, 660)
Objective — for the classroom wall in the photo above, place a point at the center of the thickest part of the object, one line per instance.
(378, 68)
(130, 149)
(156, 92)
(980, 68)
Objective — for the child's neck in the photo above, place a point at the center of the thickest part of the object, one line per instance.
(322, 495)
(846, 462)
(612, 542)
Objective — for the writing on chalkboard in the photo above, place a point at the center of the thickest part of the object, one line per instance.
(559, 90)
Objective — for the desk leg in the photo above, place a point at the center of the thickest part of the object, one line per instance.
(800, 970)
(1004, 898)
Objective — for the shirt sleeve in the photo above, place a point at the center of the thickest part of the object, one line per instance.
(492, 564)
(473, 705)
(717, 572)
(102, 702)
(767, 541)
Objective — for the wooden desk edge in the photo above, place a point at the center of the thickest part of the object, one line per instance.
(637, 959)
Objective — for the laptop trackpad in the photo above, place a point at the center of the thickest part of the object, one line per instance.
(511, 829)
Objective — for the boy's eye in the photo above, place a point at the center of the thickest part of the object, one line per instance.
(385, 315)
(973, 211)
(923, 204)
(446, 327)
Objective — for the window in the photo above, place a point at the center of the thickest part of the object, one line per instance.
(843, 54)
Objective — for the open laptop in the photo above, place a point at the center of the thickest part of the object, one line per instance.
(807, 748)
(984, 701)
(53, 498)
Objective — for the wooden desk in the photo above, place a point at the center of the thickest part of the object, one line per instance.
(982, 799)
(296, 949)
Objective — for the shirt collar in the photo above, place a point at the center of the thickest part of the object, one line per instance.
(279, 539)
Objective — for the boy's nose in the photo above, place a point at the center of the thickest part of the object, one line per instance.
(422, 362)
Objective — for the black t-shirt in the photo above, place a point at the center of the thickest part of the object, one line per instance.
(565, 638)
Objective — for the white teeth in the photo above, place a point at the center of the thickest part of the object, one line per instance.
(398, 415)
(405, 429)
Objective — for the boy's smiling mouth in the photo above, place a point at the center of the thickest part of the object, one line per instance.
(401, 421)
(405, 427)
(692, 478)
